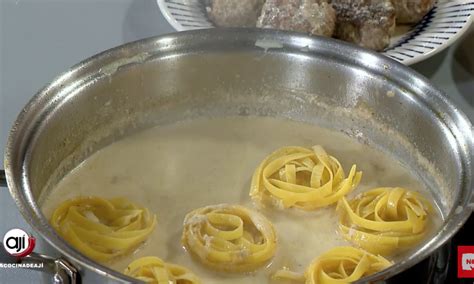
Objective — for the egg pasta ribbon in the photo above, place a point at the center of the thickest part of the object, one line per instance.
(152, 269)
(103, 229)
(302, 178)
(344, 265)
(229, 238)
(338, 265)
(384, 220)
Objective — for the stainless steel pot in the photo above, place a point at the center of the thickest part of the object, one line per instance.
(239, 72)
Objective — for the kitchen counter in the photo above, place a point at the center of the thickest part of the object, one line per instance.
(41, 39)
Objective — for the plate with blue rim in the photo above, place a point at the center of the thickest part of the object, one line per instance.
(440, 28)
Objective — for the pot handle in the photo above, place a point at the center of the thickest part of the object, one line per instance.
(61, 270)
(3, 179)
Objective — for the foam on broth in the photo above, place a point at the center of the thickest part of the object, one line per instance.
(176, 168)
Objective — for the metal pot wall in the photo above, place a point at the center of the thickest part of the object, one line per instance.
(242, 72)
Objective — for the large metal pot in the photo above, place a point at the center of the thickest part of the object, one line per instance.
(239, 72)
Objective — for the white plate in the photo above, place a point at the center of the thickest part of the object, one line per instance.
(440, 28)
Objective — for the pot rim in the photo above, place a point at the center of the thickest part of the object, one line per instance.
(455, 120)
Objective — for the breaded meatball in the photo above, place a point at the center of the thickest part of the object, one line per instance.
(315, 17)
(235, 13)
(368, 23)
(412, 11)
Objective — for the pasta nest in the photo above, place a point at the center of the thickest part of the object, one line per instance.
(383, 220)
(229, 238)
(344, 265)
(303, 178)
(152, 269)
(103, 229)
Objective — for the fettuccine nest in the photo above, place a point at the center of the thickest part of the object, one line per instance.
(302, 178)
(103, 229)
(154, 270)
(384, 220)
(229, 238)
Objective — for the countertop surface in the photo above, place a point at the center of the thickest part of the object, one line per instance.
(41, 39)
